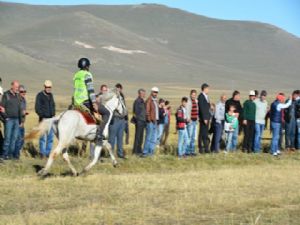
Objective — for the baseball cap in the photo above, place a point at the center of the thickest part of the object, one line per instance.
(48, 83)
(280, 97)
(155, 89)
(22, 88)
(252, 93)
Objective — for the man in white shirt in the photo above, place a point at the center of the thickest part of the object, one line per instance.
(261, 112)
(218, 124)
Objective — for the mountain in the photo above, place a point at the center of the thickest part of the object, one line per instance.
(144, 44)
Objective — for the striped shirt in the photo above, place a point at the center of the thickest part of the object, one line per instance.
(194, 112)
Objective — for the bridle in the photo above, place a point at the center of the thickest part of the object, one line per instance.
(120, 102)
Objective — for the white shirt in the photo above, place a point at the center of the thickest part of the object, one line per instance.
(206, 96)
(281, 106)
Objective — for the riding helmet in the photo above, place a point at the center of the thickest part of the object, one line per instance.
(83, 63)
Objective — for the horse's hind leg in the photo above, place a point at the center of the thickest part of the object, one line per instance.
(95, 159)
(67, 159)
(51, 158)
(113, 159)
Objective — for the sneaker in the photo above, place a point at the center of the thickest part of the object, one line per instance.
(278, 152)
(6, 158)
(275, 154)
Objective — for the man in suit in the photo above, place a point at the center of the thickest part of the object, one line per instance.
(204, 118)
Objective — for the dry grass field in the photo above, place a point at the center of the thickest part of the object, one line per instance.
(225, 189)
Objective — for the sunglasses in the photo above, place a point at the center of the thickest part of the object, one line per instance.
(48, 87)
(23, 92)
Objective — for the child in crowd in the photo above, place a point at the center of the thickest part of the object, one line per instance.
(231, 123)
(161, 120)
(181, 121)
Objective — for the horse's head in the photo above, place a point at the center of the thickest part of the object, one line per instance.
(114, 101)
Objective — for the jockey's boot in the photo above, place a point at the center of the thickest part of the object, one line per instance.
(99, 136)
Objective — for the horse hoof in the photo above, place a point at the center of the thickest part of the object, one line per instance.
(76, 174)
(83, 173)
(115, 164)
(42, 173)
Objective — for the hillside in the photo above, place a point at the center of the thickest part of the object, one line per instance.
(148, 44)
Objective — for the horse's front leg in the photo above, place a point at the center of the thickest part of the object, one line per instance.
(44, 172)
(67, 159)
(97, 153)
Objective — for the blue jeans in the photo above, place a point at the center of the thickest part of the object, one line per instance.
(150, 139)
(235, 139)
(192, 131)
(19, 142)
(259, 130)
(11, 132)
(276, 127)
(116, 132)
(298, 135)
(46, 142)
(160, 131)
(183, 141)
(290, 134)
(218, 130)
(229, 139)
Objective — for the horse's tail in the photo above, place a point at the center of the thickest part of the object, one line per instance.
(44, 127)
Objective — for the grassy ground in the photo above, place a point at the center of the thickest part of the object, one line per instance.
(222, 189)
(211, 189)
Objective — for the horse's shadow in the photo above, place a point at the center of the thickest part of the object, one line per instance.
(38, 168)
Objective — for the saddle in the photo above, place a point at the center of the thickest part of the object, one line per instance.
(89, 117)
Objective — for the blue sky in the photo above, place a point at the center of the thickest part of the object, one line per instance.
(282, 13)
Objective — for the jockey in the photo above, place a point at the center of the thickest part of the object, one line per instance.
(84, 95)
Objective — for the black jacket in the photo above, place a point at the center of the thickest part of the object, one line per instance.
(45, 105)
(204, 108)
(161, 119)
(290, 112)
(12, 105)
(139, 109)
(297, 109)
(237, 105)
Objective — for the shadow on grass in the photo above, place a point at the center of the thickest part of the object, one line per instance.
(38, 168)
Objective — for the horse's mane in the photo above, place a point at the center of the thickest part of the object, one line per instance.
(109, 95)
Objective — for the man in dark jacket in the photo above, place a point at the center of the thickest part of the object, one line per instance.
(139, 112)
(235, 101)
(297, 112)
(204, 118)
(20, 139)
(45, 108)
(1, 120)
(11, 107)
(291, 124)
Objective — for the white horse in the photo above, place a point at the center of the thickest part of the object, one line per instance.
(71, 125)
